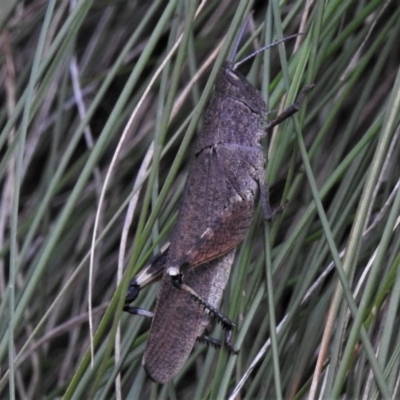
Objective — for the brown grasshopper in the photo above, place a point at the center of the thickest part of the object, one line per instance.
(224, 183)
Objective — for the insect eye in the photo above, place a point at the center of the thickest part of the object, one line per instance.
(232, 76)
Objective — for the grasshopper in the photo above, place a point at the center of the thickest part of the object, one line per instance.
(224, 184)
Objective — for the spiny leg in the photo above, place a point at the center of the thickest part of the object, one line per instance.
(213, 311)
(209, 341)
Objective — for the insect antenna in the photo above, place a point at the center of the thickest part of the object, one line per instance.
(263, 48)
(239, 38)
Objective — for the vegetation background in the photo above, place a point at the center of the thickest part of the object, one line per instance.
(315, 294)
